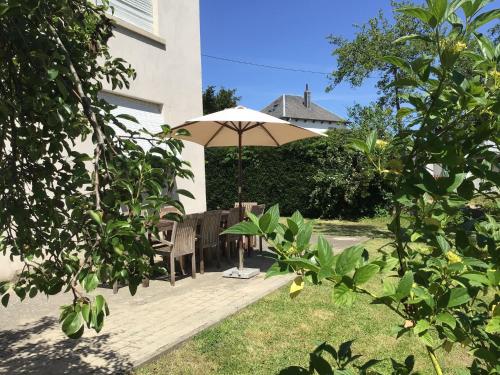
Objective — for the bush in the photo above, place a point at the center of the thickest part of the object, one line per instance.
(320, 177)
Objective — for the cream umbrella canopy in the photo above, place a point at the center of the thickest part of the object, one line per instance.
(241, 126)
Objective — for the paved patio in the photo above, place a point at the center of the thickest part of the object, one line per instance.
(139, 328)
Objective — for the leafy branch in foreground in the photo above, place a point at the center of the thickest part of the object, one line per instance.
(74, 220)
(442, 272)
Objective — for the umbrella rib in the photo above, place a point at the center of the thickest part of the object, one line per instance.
(226, 125)
(247, 128)
(214, 135)
(269, 133)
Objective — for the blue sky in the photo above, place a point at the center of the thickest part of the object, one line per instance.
(289, 33)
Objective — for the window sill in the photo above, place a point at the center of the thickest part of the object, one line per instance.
(137, 30)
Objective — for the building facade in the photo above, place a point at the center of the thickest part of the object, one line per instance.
(161, 40)
(302, 111)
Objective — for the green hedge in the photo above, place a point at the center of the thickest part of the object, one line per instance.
(319, 177)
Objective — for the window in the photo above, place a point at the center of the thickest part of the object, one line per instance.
(136, 12)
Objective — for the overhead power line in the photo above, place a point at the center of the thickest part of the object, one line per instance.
(263, 65)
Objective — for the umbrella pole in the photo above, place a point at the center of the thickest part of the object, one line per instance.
(240, 183)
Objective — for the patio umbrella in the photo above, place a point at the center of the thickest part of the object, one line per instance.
(240, 127)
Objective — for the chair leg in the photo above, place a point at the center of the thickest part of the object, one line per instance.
(193, 265)
(172, 269)
(182, 262)
(115, 287)
(217, 254)
(260, 244)
(202, 260)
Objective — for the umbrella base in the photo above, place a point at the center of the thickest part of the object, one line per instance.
(245, 273)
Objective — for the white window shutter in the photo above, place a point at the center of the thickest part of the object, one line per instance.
(136, 12)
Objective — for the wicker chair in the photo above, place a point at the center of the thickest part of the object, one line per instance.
(247, 206)
(209, 236)
(183, 242)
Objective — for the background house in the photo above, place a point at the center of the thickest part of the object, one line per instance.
(301, 111)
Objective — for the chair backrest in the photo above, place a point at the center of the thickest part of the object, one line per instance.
(184, 235)
(233, 218)
(258, 209)
(247, 206)
(210, 228)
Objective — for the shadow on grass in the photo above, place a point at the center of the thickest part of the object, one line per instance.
(354, 230)
(23, 350)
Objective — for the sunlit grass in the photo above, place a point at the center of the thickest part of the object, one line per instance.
(277, 332)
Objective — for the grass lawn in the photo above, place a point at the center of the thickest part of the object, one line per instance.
(277, 332)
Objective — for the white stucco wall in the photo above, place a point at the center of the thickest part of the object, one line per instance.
(316, 126)
(168, 65)
(169, 73)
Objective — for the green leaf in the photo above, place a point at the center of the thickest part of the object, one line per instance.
(365, 273)
(443, 244)
(185, 193)
(359, 145)
(422, 14)
(301, 263)
(277, 269)
(403, 112)
(90, 282)
(292, 225)
(72, 324)
(52, 73)
(99, 303)
(447, 318)
(5, 299)
(456, 297)
(343, 295)
(304, 236)
(371, 140)
(439, 8)
(86, 312)
(412, 37)
(348, 259)
(486, 46)
(243, 228)
(96, 216)
(484, 18)
(325, 252)
(269, 221)
(493, 325)
(404, 287)
(421, 326)
(398, 62)
(477, 278)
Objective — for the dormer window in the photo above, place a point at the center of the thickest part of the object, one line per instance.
(136, 12)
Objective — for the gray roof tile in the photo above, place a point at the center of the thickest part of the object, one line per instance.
(295, 108)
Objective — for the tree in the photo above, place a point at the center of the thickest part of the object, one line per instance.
(217, 101)
(360, 58)
(364, 119)
(75, 220)
(441, 272)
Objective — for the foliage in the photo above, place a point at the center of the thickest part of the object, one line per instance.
(360, 58)
(75, 220)
(217, 101)
(365, 118)
(325, 359)
(447, 290)
(320, 177)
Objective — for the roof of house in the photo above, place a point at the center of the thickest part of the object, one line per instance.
(292, 106)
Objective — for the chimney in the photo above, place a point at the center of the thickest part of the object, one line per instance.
(307, 97)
